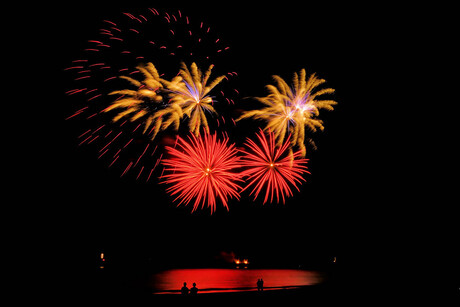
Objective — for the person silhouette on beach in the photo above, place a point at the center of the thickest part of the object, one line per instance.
(184, 289)
(194, 290)
(260, 285)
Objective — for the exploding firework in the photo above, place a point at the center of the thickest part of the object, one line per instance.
(117, 61)
(142, 103)
(272, 168)
(189, 94)
(190, 91)
(289, 110)
(128, 106)
(202, 170)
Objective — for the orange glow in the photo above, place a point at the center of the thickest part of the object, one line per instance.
(102, 255)
(245, 261)
(237, 261)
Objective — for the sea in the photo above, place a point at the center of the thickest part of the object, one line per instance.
(232, 280)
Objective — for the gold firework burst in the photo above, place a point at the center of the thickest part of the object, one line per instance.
(190, 92)
(147, 102)
(290, 109)
(142, 102)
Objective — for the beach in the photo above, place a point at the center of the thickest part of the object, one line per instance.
(318, 295)
(122, 286)
(111, 293)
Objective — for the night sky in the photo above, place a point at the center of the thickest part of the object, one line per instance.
(133, 221)
(359, 204)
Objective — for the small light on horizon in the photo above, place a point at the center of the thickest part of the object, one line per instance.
(101, 264)
(245, 262)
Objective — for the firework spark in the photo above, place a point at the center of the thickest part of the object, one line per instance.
(290, 109)
(273, 168)
(190, 91)
(144, 102)
(125, 131)
(201, 170)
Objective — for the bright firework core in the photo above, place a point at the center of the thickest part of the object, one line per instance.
(301, 105)
(193, 91)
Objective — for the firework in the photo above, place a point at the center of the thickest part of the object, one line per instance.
(291, 109)
(189, 94)
(273, 168)
(142, 103)
(119, 97)
(125, 103)
(190, 91)
(202, 170)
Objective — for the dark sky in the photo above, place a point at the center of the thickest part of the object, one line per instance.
(98, 210)
(358, 204)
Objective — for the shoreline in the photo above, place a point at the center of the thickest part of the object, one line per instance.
(319, 294)
(114, 293)
(231, 290)
(112, 288)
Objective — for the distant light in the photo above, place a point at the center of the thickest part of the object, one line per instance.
(102, 255)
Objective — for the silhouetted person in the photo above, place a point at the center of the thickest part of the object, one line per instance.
(184, 289)
(194, 290)
(260, 285)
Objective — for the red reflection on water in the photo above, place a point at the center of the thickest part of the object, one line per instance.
(227, 280)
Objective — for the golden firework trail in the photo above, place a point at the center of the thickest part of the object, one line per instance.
(292, 109)
(190, 92)
(146, 103)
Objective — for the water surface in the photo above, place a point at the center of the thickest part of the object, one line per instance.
(230, 280)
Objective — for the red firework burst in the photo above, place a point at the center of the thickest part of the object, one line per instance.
(202, 169)
(273, 168)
